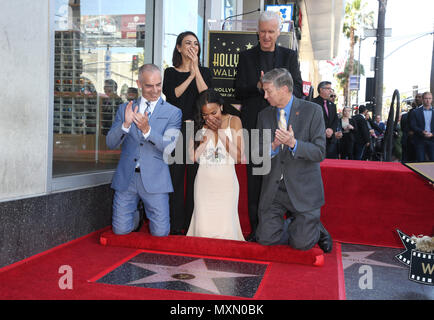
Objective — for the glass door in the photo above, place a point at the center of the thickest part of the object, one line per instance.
(99, 46)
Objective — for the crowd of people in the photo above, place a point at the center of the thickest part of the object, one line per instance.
(349, 137)
(417, 127)
(360, 137)
(197, 194)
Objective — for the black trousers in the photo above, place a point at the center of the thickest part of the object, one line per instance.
(300, 230)
(254, 183)
(331, 149)
(181, 200)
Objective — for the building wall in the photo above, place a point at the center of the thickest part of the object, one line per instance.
(250, 5)
(33, 225)
(24, 98)
(32, 219)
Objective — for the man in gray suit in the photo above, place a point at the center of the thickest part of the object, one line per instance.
(296, 146)
(147, 129)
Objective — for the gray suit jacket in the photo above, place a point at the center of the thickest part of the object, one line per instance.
(301, 170)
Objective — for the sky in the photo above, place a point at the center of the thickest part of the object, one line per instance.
(411, 64)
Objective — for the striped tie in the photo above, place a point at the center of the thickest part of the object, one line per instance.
(282, 120)
(148, 108)
(282, 123)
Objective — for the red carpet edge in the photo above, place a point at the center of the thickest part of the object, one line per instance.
(215, 247)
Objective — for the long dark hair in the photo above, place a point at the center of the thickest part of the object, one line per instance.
(177, 58)
(205, 97)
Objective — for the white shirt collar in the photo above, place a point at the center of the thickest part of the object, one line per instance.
(142, 106)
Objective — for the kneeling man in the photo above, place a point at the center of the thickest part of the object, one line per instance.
(147, 129)
(293, 185)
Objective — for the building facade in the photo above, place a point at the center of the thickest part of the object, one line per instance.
(67, 64)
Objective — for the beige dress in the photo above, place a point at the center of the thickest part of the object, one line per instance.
(216, 192)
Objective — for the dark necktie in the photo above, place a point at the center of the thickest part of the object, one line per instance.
(325, 107)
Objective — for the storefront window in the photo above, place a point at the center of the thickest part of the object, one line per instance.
(229, 8)
(180, 16)
(98, 47)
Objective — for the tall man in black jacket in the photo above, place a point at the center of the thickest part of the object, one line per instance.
(362, 135)
(253, 64)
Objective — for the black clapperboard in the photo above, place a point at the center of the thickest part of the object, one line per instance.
(421, 264)
(224, 48)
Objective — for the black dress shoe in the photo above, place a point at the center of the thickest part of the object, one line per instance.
(325, 241)
(141, 220)
(251, 237)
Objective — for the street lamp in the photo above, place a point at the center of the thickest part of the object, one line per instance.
(358, 68)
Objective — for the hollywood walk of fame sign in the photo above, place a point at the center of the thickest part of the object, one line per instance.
(224, 48)
(421, 263)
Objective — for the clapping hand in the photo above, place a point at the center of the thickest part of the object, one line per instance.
(276, 143)
(285, 137)
(141, 121)
(129, 114)
(192, 55)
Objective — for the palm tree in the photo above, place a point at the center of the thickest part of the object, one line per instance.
(343, 77)
(355, 18)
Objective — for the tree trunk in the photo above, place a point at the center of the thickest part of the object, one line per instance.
(379, 56)
(432, 67)
(350, 66)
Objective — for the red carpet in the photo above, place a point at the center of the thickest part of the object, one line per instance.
(365, 202)
(38, 277)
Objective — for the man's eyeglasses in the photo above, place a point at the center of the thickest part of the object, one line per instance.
(332, 96)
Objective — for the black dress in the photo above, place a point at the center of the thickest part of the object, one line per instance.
(181, 200)
(346, 146)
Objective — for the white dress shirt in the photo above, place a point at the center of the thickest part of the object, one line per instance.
(142, 108)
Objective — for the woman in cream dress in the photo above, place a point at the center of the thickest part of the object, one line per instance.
(217, 147)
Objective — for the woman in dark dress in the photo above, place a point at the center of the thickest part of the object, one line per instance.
(181, 85)
(348, 126)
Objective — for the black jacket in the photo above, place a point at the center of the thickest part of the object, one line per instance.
(361, 135)
(330, 121)
(248, 75)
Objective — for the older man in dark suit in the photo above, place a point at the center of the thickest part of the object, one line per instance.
(252, 65)
(293, 186)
